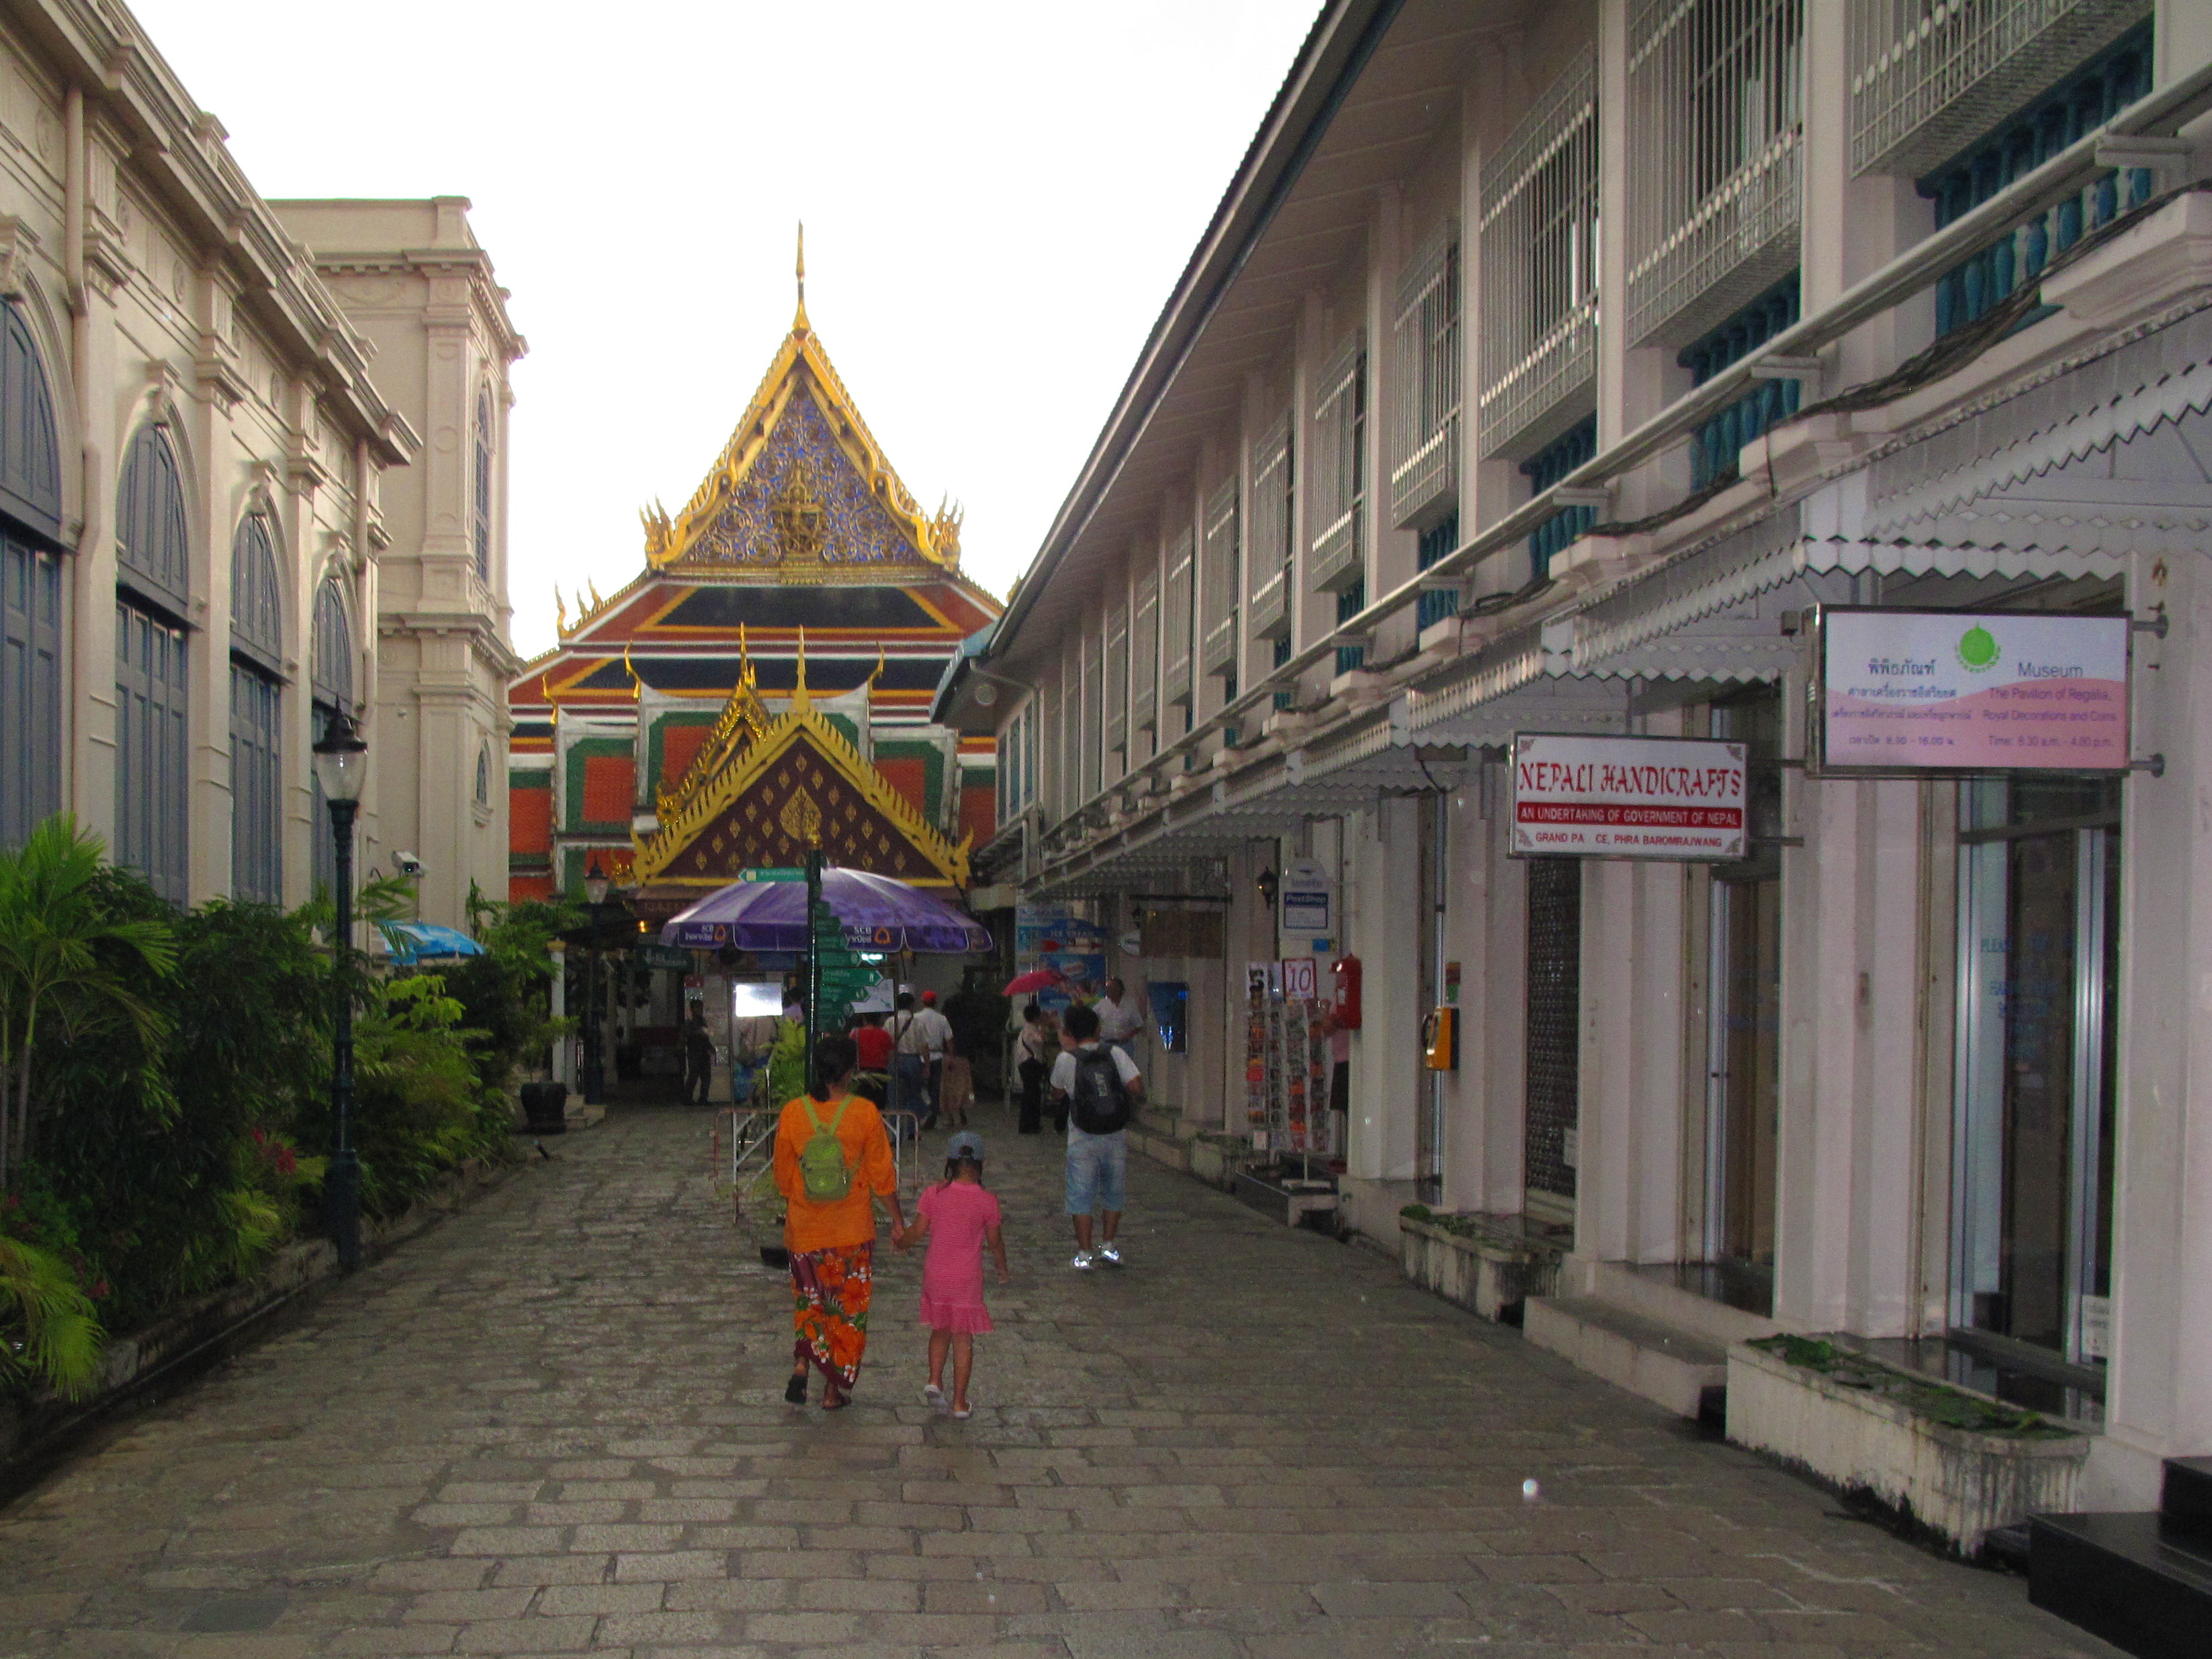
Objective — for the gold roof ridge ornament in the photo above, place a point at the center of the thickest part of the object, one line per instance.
(798, 324)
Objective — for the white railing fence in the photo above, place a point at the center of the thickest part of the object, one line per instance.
(1223, 580)
(1930, 76)
(1175, 672)
(1539, 245)
(1144, 653)
(1425, 398)
(1270, 557)
(1716, 96)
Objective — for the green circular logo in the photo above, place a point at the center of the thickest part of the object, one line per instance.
(1978, 649)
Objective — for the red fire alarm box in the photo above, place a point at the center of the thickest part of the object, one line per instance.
(1344, 1002)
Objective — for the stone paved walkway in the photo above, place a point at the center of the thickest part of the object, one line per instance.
(554, 1424)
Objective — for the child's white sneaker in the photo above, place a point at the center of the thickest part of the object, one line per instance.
(932, 1395)
(1082, 1262)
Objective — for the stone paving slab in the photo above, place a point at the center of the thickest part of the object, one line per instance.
(555, 1425)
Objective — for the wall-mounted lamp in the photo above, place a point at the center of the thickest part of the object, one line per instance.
(1268, 884)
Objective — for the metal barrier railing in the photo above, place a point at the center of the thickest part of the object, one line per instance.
(742, 1151)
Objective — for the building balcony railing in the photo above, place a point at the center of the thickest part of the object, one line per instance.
(1430, 473)
(1927, 80)
(1338, 558)
(1270, 609)
(1175, 680)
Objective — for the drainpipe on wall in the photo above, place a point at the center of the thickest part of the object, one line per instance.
(76, 168)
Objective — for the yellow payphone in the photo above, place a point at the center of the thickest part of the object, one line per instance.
(1440, 1027)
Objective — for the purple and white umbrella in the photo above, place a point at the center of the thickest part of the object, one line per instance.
(879, 913)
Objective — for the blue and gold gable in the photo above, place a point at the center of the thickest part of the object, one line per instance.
(802, 491)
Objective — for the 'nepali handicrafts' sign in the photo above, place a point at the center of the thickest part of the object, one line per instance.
(1919, 691)
(1628, 798)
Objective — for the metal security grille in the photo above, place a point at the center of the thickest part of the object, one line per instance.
(1224, 580)
(1145, 653)
(257, 864)
(1425, 423)
(150, 750)
(1117, 683)
(1336, 480)
(1272, 557)
(1539, 233)
(30, 687)
(1555, 952)
(1715, 141)
(1176, 623)
(1931, 76)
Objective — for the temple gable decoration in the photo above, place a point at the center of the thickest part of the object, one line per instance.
(802, 491)
(763, 792)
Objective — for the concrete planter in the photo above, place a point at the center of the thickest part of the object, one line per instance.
(1488, 1275)
(1955, 1484)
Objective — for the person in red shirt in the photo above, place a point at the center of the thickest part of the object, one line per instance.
(873, 1079)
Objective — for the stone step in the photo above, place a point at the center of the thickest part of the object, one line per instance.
(1672, 1368)
(2185, 1497)
(2124, 1577)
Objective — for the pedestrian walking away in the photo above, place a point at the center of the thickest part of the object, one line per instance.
(958, 1219)
(873, 1078)
(936, 1045)
(833, 1162)
(909, 1067)
(1036, 1047)
(1098, 1087)
(698, 1058)
(956, 1090)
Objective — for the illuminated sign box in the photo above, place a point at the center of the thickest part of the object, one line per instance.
(1629, 798)
(1918, 693)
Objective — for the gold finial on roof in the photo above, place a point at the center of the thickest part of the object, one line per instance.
(801, 699)
(744, 658)
(798, 322)
(636, 686)
(560, 610)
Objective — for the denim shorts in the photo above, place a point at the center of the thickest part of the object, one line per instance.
(1097, 1165)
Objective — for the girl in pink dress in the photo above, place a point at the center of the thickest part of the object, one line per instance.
(958, 1218)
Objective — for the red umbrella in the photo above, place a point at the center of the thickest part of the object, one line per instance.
(1037, 979)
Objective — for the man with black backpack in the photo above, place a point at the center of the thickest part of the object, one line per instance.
(1100, 1087)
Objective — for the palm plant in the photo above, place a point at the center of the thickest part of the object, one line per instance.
(60, 1341)
(66, 964)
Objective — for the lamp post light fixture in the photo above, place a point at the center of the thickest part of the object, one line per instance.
(595, 895)
(341, 767)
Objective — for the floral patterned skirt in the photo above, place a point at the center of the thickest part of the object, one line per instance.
(830, 1292)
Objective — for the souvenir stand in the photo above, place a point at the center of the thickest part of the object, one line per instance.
(1286, 1066)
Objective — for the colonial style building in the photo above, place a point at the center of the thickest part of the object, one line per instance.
(197, 472)
(765, 680)
(1892, 308)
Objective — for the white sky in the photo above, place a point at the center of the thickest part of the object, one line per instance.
(997, 196)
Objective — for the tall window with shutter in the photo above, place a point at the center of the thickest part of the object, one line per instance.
(1145, 653)
(257, 655)
(1271, 559)
(153, 579)
(484, 479)
(31, 554)
(1224, 580)
(1117, 690)
(331, 681)
(1425, 399)
(1177, 621)
(1336, 475)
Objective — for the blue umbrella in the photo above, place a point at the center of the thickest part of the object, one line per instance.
(415, 942)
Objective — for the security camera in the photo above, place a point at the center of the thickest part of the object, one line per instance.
(407, 864)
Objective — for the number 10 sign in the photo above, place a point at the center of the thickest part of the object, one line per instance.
(1300, 980)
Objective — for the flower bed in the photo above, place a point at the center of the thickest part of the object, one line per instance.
(1948, 1462)
(1473, 1261)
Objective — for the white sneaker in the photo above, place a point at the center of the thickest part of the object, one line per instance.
(1082, 1261)
(1111, 1253)
(932, 1394)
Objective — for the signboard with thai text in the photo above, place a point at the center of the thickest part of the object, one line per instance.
(1628, 798)
(1915, 692)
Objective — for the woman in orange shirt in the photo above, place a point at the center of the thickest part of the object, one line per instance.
(830, 1230)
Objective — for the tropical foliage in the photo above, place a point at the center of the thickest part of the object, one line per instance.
(165, 1112)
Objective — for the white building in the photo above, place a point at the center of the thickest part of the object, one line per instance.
(1549, 369)
(202, 519)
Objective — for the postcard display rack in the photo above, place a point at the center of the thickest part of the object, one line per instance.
(1286, 1066)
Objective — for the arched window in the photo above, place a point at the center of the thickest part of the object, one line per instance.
(483, 775)
(257, 636)
(331, 679)
(483, 485)
(30, 587)
(153, 572)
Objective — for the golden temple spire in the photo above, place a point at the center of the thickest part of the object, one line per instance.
(798, 324)
(744, 658)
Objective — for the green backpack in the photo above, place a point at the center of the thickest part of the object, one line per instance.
(822, 1168)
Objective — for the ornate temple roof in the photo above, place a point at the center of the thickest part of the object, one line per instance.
(802, 491)
(766, 789)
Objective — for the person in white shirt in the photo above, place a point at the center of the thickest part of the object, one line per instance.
(1119, 1019)
(910, 1058)
(936, 1044)
(1100, 1087)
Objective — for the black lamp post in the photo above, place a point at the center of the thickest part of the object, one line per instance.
(595, 894)
(341, 765)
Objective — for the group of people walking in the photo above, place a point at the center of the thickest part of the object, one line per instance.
(834, 1165)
